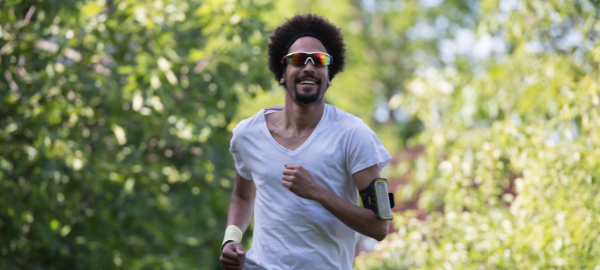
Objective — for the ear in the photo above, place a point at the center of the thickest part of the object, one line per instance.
(282, 80)
(328, 82)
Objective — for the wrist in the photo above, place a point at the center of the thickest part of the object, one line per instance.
(232, 234)
(321, 194)
(225, 243)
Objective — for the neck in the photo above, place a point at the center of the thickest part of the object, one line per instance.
(302, 117)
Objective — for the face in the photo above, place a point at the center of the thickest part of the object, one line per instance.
(306, 84)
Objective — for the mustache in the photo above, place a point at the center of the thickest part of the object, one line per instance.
(306, 76)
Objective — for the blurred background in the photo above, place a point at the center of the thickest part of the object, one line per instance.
(116, 117)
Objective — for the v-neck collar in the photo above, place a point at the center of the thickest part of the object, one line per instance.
(304, 144)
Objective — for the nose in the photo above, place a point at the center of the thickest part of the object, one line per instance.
(309, 67)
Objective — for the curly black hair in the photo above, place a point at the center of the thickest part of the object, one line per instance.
(306, 25)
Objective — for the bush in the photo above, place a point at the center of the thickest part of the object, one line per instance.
(509, 175)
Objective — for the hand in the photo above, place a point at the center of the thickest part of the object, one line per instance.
(299, 181)
(233, 256)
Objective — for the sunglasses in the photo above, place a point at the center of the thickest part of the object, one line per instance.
(318, 59)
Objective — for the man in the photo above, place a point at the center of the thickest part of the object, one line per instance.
(300, 166)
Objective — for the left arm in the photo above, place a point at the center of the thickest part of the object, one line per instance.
(299, 181)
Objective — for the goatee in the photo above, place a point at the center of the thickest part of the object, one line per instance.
(305, 98)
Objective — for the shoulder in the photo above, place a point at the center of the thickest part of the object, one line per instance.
(344, 122)
(249, 125)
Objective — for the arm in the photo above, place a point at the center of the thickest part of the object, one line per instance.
(363, 220)
(233, 255)
(242, 203)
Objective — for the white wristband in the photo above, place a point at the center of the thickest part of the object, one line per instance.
(233, 233)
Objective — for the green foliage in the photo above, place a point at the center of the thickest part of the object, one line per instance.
(116, 120)
(115, 136)
(509, 175)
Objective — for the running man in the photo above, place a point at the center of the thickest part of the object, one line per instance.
(299, 167)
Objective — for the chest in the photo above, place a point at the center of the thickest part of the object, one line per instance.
(323, 156)
(288, 139)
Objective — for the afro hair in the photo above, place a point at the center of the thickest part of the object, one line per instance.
(314, 25)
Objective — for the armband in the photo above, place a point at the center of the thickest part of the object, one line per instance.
(377, 198)
(232, 234)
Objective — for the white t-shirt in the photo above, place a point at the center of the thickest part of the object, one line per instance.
(291, 232)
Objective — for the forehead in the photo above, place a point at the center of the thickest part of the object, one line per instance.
(307, 44)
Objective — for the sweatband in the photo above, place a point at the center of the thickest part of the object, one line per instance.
(232, 233)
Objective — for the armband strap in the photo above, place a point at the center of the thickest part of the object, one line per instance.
(232, 233)
(377, 198)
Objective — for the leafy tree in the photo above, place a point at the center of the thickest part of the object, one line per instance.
(508, 178)
(115, 136)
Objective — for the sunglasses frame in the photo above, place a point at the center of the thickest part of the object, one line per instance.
(311, 58)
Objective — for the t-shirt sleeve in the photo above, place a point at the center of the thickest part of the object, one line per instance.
(241, 167)
(365, 150)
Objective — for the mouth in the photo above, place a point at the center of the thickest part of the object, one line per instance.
(307, 81)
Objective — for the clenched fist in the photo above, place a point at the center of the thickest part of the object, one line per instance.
(299, 181)
(233, 256)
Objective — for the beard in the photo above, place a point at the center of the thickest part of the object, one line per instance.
(305, 98)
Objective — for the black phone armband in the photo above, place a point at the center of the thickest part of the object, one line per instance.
(377, 198)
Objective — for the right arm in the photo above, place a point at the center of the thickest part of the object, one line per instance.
(242, 203)
(240, 215)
